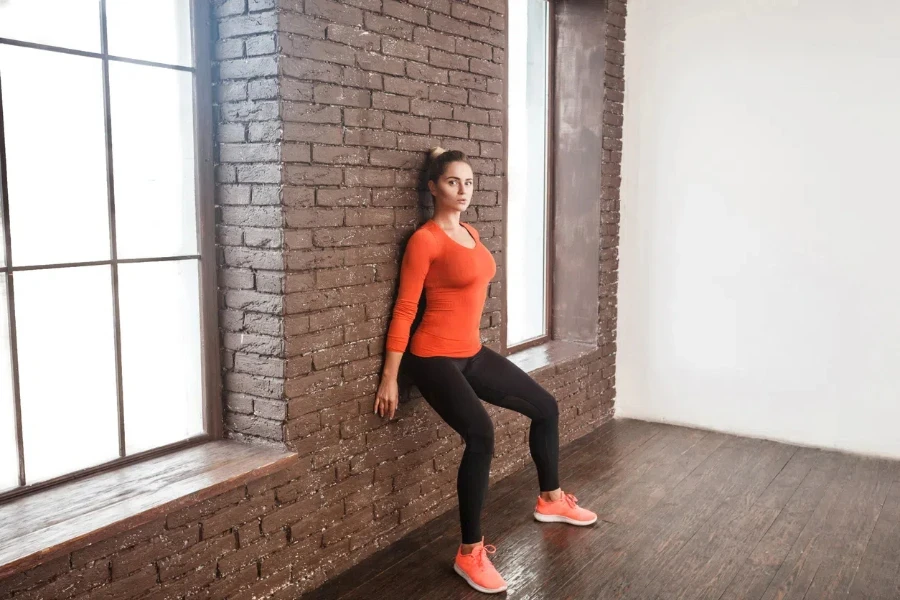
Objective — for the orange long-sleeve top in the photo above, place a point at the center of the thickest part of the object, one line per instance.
(455, 280)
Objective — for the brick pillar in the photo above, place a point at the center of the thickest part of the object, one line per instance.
(250, 223)
(325, 112)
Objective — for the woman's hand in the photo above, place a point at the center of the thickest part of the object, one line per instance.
(387, 397)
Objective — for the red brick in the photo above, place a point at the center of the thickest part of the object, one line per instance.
(381, 64)
(444, 93)
(323, 50)
(135, 536)
(403, 49)
(332, 416)
(313, 132)
(449, 128)
(441, 6)
(405, 87)
(319, 175)
(335, 94)
(489, 134)
(291, 22)
(369, 177)
(498, 6)
(404, 11)
(304, 68)
(194, 557)
(314, 217)
(361, 368)
(369, 138)
(339, 155)
(434, 39)
(250, 554)
(364, 79)
(389, 26)
(426, 73)
(485, 100)
(448, 60)
(474, 49)
(66, 585)
(313, 522)
(369, 216)
(348, 525)
(343, 197)
(471, 115)
(302, 426)
(468, 80)
(395, 158)
(134, 586)
(237, 515)
(390, 102)
(489, 150)
(416, 143)
(406, 123)
(225, 587)
(339, 355)
(358, 38)
(334, 12)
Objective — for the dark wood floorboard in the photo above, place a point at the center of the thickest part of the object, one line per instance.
(684, 514)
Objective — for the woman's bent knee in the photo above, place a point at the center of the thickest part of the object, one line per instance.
(549, 408)
(480, 439)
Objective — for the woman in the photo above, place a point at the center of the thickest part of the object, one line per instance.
(452, 369)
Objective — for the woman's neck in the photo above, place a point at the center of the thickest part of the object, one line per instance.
(447, 219)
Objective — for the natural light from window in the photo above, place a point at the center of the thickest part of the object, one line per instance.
(526, 245)
(59, 317)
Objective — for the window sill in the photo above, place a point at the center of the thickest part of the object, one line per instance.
(53, 522)
(550, 354)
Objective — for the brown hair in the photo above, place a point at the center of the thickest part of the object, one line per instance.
(438, 159)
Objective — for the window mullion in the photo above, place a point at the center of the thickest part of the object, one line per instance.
(10, 299)
(114, 267)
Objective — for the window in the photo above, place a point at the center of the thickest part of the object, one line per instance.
(528, 212)
(104, 298)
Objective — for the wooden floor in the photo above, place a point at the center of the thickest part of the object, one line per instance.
(685, 514)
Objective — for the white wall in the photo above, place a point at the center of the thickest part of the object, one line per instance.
(759, 278)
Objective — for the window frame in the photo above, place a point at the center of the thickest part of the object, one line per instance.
(204, 191)
(549, 197)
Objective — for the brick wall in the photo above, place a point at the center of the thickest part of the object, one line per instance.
(324, 112)
(250, 225)
(611, 181)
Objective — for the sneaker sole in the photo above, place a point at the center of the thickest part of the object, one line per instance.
(561, 519)
(475, 585)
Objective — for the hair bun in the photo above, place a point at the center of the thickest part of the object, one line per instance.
(436, 151)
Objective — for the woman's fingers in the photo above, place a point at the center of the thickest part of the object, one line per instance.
(386, 406)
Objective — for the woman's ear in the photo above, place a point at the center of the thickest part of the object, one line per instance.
(432, 188)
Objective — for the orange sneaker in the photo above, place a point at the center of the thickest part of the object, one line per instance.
(477, 570)
(564, 510)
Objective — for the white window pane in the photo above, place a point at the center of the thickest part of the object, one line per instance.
(9, 460)
(527, 227)
(67, 380)
(159, 305)
(158, 31)
(71, 24)
(153, 158)
(56, 156)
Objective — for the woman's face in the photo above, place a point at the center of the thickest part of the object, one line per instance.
(453, 190)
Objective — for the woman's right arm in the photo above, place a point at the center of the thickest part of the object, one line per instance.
(416, 261)
(388, 392)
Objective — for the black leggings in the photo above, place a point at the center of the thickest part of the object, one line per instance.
(452, 386)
